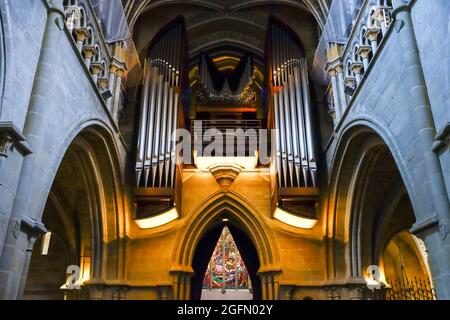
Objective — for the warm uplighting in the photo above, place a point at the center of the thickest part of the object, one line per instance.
(159, 220)
(293, 220)
(204, 163)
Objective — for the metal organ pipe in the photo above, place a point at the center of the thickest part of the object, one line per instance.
(159, 111)
(295, 154)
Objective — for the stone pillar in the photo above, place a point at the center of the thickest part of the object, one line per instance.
(112, 85)
(432, 227)
(270, 284)
(119, 67)
(335, 72)
(96, 69)
(356, 68)
(15, 258)
(337, 109)
(181, 284)
(10, 138)
(34, 229)
(341, 86)
(372, 35)
(364, 52)
(117, 93)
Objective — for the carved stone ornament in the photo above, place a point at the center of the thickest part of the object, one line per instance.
(225, 174)
(6, 144)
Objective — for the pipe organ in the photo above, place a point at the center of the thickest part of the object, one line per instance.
(235, 88)
(291, 110)
(160, 109)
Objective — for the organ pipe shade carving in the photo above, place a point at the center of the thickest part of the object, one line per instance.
(291, 109)
(160, 108)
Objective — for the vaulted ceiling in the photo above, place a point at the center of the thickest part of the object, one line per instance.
(226, 23)
(318, 8)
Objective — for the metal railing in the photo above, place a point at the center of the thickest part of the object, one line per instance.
(237, 137)
(415, 289)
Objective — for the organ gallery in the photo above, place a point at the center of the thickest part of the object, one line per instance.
(224, 150)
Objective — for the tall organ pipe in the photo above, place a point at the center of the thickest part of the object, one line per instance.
(295, 152)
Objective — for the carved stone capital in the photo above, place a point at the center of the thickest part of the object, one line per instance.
(356, 67)
(10, 137)
(364, 51)
(81, 34)
(89, 51)
(96, 68)
(372, 33)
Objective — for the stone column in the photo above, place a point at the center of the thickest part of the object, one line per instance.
(112, 85)
(117, 93)
(356, 68)
(119, 67)
(341, 86)
(89, 52)
(96, 69)
(10, 139)
(372, 35)
(337, 109)
(14, 258)
(34, 229)
(432, 227)
(334, 70)
(364, 52)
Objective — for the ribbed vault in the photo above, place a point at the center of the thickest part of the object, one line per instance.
(234, 24)
(318, 8)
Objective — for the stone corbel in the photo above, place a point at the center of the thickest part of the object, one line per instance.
(10, 138)
(33, 228)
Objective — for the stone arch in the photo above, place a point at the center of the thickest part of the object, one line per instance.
(6, 59)
(2, 62)
(240, 212)
(93, 199)
(361, 146)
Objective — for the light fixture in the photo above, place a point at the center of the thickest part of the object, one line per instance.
(205, 163)
(159, 220)
(46, 243)
(294, 220)
(225, 220)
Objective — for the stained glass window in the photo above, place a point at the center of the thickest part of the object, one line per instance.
(226, 269)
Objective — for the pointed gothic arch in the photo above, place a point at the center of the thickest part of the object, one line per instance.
(369, 192)
(87, 215)
(240, 212)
